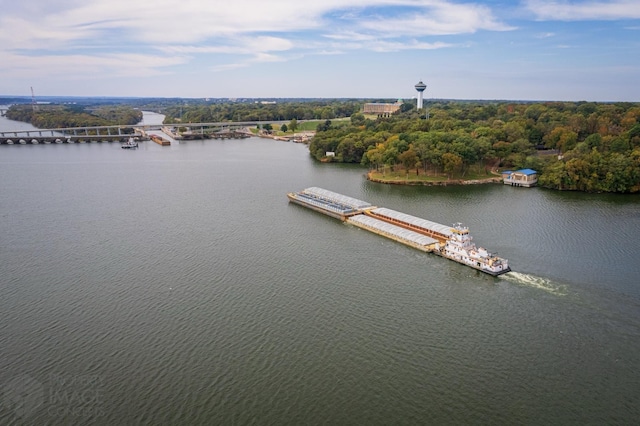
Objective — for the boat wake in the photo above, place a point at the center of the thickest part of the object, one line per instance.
(536, 282)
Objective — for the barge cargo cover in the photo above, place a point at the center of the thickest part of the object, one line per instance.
(329, 202)
(397, 233)
(417, 224)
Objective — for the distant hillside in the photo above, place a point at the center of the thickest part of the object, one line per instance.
(73, 115)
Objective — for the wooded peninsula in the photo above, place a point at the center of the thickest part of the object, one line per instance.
(583, 146)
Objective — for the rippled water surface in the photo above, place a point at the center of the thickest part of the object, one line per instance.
(176, 285)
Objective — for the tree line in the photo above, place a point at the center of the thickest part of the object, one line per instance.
(573, 145)
(59, 116)
(259, 111)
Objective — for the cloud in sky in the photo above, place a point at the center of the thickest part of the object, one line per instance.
(585, 10)
(143, 48)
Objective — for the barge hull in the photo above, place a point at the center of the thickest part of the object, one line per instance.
(495, 274)
(394, 232)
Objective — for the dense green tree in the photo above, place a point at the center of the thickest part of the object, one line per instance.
(357, 119)
(593, 141)
(410, 159)
(451, 163)
(374, 155)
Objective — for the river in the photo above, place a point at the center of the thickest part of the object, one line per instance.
(176, 285)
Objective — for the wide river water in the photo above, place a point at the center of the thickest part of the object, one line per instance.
(177, 285)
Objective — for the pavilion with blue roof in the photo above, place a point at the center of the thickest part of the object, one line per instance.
(522, 177)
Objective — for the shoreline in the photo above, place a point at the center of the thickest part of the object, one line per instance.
(297, 137)
(397, 181)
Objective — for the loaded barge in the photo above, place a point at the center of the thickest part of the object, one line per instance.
(160, 140)
(328, 202)
(453, 242)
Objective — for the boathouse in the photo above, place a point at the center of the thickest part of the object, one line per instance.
(523, 177)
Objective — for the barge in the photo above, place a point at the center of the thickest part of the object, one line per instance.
(452, 242)
(160, 140)
(329, 202)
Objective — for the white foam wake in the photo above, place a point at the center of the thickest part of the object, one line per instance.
(536, 282)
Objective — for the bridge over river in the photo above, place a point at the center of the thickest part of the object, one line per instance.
(122, 133)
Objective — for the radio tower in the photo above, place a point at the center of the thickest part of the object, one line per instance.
(34, 105)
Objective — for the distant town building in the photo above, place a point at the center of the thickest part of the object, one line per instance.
(381, 109)
(523, 177)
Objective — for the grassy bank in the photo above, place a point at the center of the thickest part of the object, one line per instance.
(404, 177)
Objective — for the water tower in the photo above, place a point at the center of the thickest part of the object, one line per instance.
(420, 87)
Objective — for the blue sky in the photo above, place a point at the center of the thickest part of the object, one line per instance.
(485, 49)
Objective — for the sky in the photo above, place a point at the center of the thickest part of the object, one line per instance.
(571, 50)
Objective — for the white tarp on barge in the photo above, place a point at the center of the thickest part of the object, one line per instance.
(391, 230)
(413, 220)
(338, 198)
